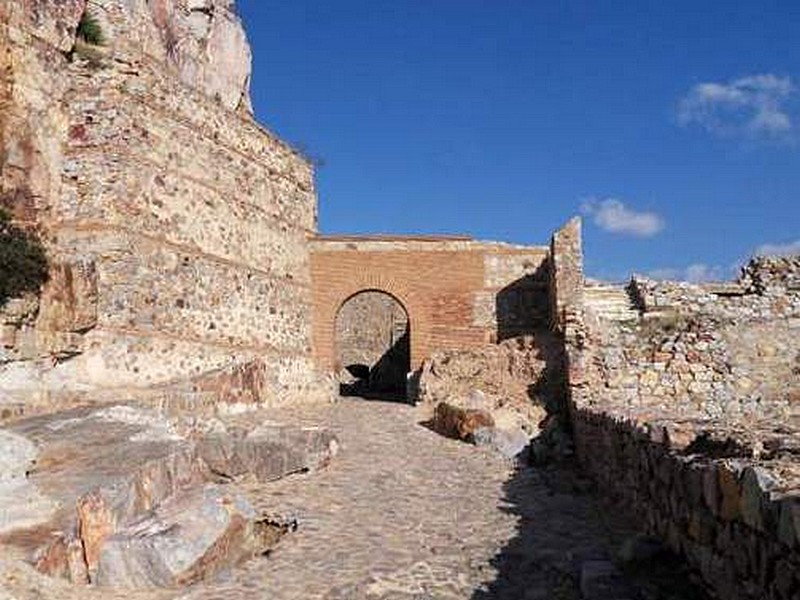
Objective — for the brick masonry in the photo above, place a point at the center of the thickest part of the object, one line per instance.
(451, 288)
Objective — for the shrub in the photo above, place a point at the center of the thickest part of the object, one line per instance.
(89, 30)
(23, 262)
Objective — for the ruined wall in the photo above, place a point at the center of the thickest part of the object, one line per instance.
(719, 352)
(175, 224)
(458, 293)
(566, 275)
(689, 416)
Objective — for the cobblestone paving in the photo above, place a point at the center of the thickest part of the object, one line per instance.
(403, 513)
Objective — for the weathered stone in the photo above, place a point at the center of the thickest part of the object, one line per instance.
(711, 490)
(268, 452)
(459, 423)
(508, 442)
(731, 492)
(789, 522)
(136, 463)
(188, 538)
(756, 482)
(22, 505)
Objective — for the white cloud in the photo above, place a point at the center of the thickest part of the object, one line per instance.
(613, 216)
(753, 106)
(787, 249)
(695, 273)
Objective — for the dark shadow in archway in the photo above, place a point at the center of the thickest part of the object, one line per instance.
(386, 379)
(522, 307)
(373, 346)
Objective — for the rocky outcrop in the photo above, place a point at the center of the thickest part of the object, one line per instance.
(188, 538)
(202, 41)
(21, 503)
(151, 505)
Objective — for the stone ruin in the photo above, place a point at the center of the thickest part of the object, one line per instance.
(187, 287)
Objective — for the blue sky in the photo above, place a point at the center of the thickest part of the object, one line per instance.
(674, 127)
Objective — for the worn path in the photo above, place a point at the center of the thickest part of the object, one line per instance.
(404, 513)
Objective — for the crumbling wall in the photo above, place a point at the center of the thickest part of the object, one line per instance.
(689, 416)
(175, 225)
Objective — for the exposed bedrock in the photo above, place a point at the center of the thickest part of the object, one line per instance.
(128, 498)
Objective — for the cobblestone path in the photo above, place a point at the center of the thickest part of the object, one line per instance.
(403, 513)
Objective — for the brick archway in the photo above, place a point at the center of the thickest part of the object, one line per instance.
(451, 287)
(325, 314)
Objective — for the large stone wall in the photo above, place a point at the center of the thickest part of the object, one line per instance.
(688, 414)
(176, 226)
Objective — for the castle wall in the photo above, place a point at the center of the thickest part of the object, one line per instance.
(151, 185)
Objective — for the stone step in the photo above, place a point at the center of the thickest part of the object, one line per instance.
(611, 303)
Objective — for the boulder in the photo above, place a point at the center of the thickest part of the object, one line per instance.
(189, 538)
(269, 452)
(508, 442)
(459, 423)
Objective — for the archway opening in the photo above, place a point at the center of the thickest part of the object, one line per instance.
(373, 351)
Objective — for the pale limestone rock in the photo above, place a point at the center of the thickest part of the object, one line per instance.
(188, 538)
(21, 503)
(203, 40)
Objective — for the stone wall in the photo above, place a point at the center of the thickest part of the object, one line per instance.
(457, 292)
(689, 415)
(176, 226)
(566, 275)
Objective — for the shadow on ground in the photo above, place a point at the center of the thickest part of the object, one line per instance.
(564, 530)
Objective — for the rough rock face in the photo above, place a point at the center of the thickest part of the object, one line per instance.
(136, 504)
(21, 504)
(202, 40)
(187, 538)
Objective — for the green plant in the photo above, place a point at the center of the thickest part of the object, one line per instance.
(23, 262)
(89, 30)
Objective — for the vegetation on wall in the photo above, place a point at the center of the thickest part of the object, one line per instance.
(89, 30)
(23, 262)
